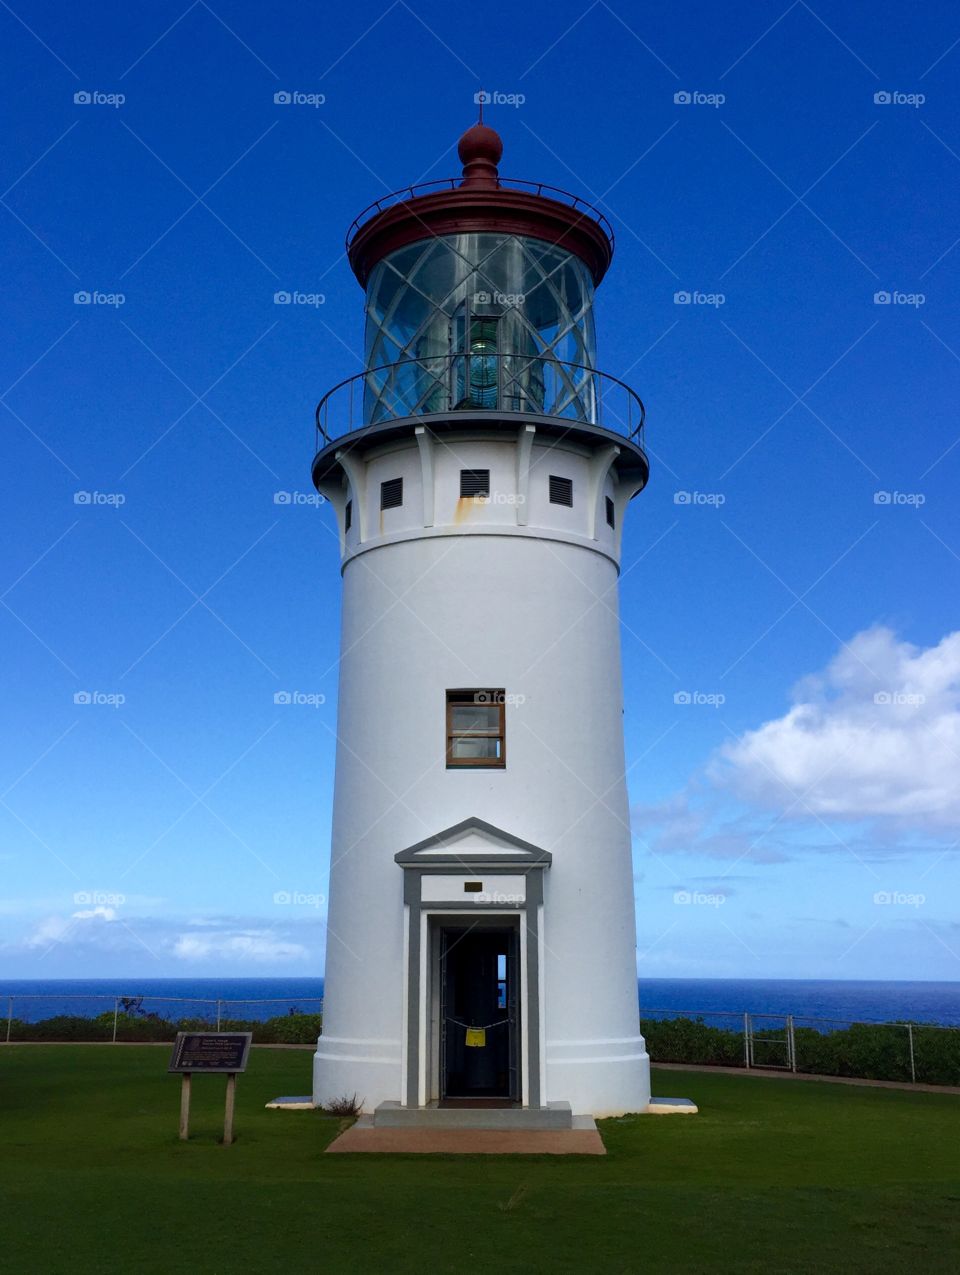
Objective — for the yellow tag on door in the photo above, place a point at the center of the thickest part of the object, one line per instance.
(476, 1037)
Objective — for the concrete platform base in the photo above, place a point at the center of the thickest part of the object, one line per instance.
(554, 1116)
(672, 1107)
(304, 1103)
(365, 1136)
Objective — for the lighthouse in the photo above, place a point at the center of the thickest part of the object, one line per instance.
(481, 934)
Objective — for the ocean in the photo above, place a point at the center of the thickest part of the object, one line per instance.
(721, 1001)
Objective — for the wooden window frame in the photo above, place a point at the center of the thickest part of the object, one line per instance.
(493, 698)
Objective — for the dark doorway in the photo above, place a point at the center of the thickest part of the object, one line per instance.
(479, 1010)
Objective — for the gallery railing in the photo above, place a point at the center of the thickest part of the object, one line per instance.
(480, 382)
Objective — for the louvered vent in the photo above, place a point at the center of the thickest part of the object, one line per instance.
(391, 493)
(561, 490)
(348, 516)
(611, 514)
(474, 482)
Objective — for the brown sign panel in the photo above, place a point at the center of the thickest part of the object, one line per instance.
(210, 1051)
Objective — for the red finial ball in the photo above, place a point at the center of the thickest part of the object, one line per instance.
(480, 149)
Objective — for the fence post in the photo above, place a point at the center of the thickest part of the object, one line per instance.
(9, 1017)
(218, 1015)
(791, 1043)
(116, 1011)
(913, 1068)
(746, 1041)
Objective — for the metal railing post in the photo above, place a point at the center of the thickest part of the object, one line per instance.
(218, 1015)
(913, 1066)
(9, 1017)
(791, 1044)
(746, 1041)
(116, 1012)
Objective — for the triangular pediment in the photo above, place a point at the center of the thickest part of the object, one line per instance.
(473, 841)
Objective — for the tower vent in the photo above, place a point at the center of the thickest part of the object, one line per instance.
(561, 490)
(474, 482)
(391, 493)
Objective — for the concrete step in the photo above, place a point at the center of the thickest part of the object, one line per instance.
(391, 1115)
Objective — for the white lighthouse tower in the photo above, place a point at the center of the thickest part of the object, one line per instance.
(481, 935)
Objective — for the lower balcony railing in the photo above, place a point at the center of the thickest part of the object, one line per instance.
(479, 382)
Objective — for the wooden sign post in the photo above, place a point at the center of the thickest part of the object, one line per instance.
(221, 1052)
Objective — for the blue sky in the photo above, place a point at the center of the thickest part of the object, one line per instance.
(792, 568)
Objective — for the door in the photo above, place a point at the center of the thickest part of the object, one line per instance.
(479, 1010)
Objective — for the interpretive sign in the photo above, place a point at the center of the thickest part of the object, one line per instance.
(211, 1051)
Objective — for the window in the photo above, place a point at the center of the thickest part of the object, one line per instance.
(391, 493)
(611, 513)
(474, 482)
(348, 515)
(475, 735)
(561, 490)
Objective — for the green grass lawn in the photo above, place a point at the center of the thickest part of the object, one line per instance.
(772, 1176)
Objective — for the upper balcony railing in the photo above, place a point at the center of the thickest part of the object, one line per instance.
(498, 383)
(456, 183)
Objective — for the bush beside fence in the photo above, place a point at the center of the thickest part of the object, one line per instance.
(286, 1029)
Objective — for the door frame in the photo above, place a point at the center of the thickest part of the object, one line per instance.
(472, 872)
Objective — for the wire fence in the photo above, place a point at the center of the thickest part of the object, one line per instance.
(921, 1053)
(97, 1017)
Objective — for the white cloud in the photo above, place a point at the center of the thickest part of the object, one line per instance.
(875, 735)
(250, 945)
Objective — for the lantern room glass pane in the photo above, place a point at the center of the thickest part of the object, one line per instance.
(489, 321)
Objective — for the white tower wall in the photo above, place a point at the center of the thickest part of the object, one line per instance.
(512, 592)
